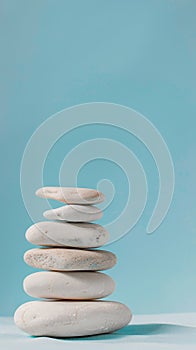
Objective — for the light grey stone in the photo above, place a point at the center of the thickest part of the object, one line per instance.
(74, 213)
(69, 285)
(71, 195)
(78, 235)
(71, 318)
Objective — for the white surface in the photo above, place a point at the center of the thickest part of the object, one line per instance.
(149, 332)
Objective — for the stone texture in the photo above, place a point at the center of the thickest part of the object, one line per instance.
(74, 213)
(71, 318)
(78, 235)
(69, 285)
(64, 259)
(71, 195)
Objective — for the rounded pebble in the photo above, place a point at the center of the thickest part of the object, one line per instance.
(78, 235)
(71, 318)
(64, 259)
(68, 285)
(71, 195)
(74, 213)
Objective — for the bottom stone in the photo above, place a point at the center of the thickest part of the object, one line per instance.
(71, 318)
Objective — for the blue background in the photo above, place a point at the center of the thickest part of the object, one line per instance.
(142, 54)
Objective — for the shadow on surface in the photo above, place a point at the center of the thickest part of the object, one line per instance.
(140, 330)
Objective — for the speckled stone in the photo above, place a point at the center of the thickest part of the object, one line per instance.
(71, 318)
(71, 195)
(69, 285)
(78, 235)
(64, 259)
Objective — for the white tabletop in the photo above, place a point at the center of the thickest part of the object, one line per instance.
(146, 332)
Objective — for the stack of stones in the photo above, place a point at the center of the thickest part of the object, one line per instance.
(71, 285)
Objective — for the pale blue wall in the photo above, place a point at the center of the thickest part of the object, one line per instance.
(142, 54)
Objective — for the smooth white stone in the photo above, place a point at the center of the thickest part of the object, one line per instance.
(71, 318)
(68, 285)
(64, 259)
(78, 235)
(74, 213)
(71, 195)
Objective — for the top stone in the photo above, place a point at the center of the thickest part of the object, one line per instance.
(71, 195)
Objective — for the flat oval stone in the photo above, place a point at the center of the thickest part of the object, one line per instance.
(71, 318)
(78, 235)
(71, 195)
(69, 285)
(74, 213)
(64, 259)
